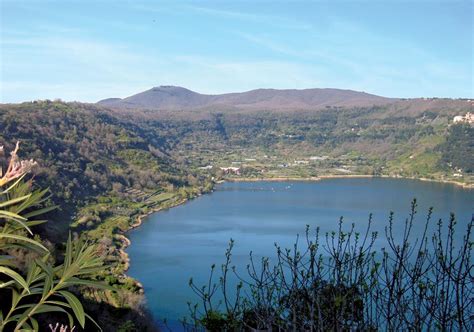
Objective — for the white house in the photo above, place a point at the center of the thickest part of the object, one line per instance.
(468, 118)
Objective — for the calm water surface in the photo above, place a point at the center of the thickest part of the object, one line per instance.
(183, 242)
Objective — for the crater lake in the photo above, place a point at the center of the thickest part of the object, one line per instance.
(174, 245)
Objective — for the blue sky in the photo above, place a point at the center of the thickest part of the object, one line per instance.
(89, 50)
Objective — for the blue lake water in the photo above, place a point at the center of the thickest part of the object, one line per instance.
(172, 246)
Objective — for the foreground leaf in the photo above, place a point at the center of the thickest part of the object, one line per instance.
(18, 278)
(75, 305)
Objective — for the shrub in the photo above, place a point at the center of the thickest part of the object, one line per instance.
(344, 284)
(42, 287)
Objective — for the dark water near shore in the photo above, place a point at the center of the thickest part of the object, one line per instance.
(183, 242)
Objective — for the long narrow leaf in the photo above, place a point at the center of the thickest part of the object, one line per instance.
(11, 215)
(40, 211)
(34, 324)
(15, 217)
(87, 283)
(35, 222)
(62, 304)
(39, 310)
(75, 305)
(14, 275)
(93, 321)
(68, 255)
(6, 284)
(14, 201)
(37, 198)
(24, 239)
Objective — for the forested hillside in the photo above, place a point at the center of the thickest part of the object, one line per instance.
(84, 152)
(458, 150)
(106, 167)
(102, 172)
(87, 151)
(407, 139)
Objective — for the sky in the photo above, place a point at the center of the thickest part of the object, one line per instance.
(91, 50)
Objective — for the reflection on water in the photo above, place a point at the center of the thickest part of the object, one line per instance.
(171, 246)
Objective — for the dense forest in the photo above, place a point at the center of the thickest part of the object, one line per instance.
(104, 168)
(102, 173)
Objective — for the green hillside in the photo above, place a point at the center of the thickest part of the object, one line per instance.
(105, 168)
(103, 172)
(390, 140)
(87, 152)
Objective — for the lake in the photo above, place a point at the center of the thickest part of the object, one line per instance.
(172, 246)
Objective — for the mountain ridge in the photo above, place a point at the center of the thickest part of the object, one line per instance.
(169, 97)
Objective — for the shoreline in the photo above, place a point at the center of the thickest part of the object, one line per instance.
(139, 219)
(342, 176)
(126, 242)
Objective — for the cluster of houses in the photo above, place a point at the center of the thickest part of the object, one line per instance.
(468, 118)
(237, 170)
(231, 170)
(226, 170)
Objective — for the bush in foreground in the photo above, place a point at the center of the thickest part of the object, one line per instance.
(343, 284)
(35, 286)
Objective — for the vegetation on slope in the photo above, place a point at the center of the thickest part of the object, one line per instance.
(106, 168)
(103, 172)
(334, 141)
(85, 152)
(457, 152)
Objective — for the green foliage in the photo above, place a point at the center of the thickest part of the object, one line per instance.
(106, 167)
(128, 326)
(47, 283)
(215, 321)
(458, 150)
(41, 286)
(373, 140)
(85, 152)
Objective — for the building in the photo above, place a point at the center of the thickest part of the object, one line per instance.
(231, 170)
(468, 118)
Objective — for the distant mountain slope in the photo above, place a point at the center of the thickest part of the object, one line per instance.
(172, 97)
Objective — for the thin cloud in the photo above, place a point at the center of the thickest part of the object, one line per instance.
(83, 54)
(257, 18)
(100, 56)
(353, 57)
